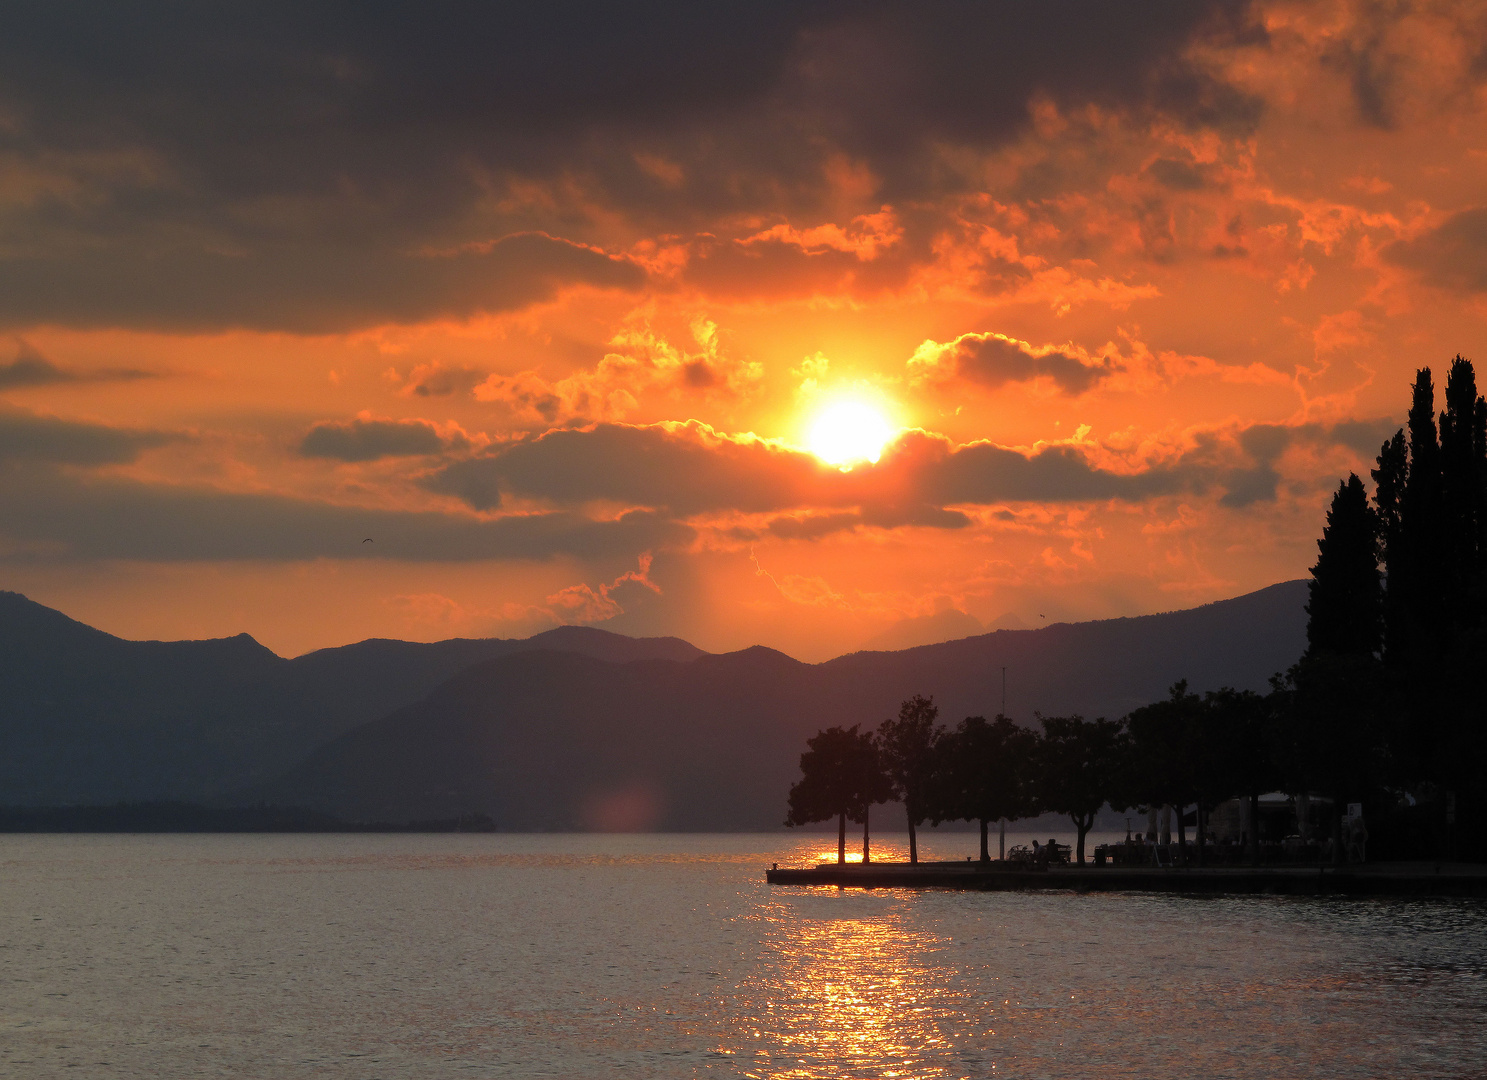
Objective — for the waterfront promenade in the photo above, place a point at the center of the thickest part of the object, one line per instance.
(1366, 879)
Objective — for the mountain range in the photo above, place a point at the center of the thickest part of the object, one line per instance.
(575, 728)
(89, 717)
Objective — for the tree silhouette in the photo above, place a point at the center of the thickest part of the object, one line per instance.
(1332, 742)
(986, 773)
(1164, 740)
(907, 746)
(1345, 608)
(1390, 479)
(840, 778)
(1463, 461)
(1080, 762)
(1331, 738)
(1431, 496)
(1241, 725)
(1426, 552)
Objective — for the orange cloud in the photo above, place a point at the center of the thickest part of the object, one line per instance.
(992, 360)
(641, 363)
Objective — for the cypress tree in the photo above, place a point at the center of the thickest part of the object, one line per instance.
(1389, 482)
(1431, 499)
(1460, 495)
(1332, 737)
(1479, 455)
(1345, 609)
(1426, 550)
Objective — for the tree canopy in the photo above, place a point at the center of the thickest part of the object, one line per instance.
(906, 744)
(841, 777)
(987, 769)
(1080, 768)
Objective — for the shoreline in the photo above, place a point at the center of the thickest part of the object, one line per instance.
(1368, 879)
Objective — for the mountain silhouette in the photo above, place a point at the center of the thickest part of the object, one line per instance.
(948, 625)
(548, 740)
(89, 717)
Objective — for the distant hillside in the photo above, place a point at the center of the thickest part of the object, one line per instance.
(89, 717)
(1101, 668)
(947, 625)
(558, 741)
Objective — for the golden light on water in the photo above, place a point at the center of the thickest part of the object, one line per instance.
(856, 997)
(830, 856)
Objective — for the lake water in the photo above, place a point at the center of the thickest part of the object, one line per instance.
(667, 956)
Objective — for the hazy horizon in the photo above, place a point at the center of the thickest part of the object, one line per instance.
(905, 628)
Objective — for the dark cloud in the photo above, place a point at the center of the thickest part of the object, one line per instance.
(664, 472)
(994, 360)
(813, 526)
(1453, 255)
(687, 469)
(1264, 444)
(1243, 487)
(920, 516)
(368, 440)
(436, 379)
(1363, 436)
(770, 270)
(53, 515)
(1373, 84)
(1175, 174)
(25, 436)
(296, 285)
(30, 368)
(983, 473)
(291, 165)
(783, 266)
(895, 77)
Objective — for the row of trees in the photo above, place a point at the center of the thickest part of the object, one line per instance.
(983, 770)
(1187, 749)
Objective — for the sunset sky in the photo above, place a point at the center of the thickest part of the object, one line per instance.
(546, 302)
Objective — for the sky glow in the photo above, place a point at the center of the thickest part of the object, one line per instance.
(1133, 286)
(848, 432)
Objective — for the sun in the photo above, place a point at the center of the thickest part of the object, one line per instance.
(846, 433)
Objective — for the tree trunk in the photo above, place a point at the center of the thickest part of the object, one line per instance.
(1083, 826)
(985, 852)
(1182, 835)
(913, 839)
(867, 855)
(841, 838)
(1338, 855)
(1001, 844)
(1202, 834)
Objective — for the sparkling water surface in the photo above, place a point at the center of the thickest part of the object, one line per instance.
(668, 956)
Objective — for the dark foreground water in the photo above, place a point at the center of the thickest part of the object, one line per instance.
(667, 956)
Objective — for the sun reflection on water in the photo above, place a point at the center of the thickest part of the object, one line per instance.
(851, 993)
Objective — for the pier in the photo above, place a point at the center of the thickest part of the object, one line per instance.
(1367, 879)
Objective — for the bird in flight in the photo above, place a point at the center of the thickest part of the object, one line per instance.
(368, 540)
